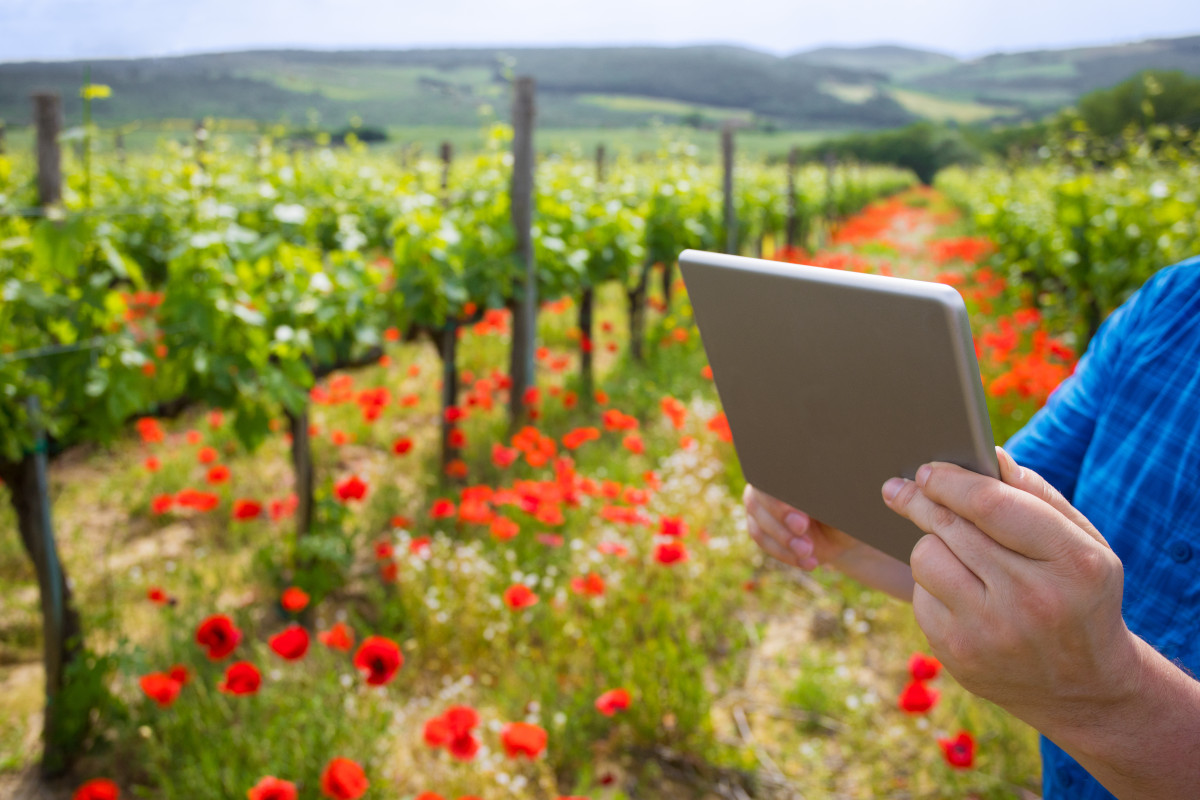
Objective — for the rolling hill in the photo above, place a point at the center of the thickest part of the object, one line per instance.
(832, 88)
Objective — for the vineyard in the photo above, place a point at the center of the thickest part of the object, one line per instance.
(327, 516)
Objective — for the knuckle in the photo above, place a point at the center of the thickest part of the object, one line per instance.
(907, 493)
(942, 518)
(988, 500)
(924, 553)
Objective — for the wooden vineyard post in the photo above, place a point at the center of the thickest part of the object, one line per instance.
(727, 189)
(447, 155)
(2, 132)
(791, 229)
(587, 383)
(448, 349)
(637, 312)
(302, 464)
(524, 329)
(63, 725)
(119, 146)
(47, 117)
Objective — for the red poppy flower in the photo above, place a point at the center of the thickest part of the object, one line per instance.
(246, 509)
(218, 636)
(218, 474)
(215, 418)
(430, 796)
(156, 595)
(384, 550)
(344, 779)
(206, 455)
(519, 596)
(923, 667)
(161, 688)
(959, 751)
(670, 553)
(162, 503)
(379, 659)
(339, 438)
(917, 698)
(550, 539)
(454, 414)
(291, 643)
(152, 464)
(420, 546)
(389, 572)
(672, 526)
(410, 400)
(503, 456)
(294, 599)
(353, 488)
(504, 528)
(612, 701)
(601, 397)
(453, 730)
(194, 437)
(339, 637)
(441, 508)
(523, 739)
(634, 444)
(278, 509)
(242, 677)
(272, 788)
(590, 584)
(686, 442)
(457, 468)
(707, 372)
(402, 445)
(457, 439)
(97, 789)
(179, 673)
(200, 501)
(149, 430)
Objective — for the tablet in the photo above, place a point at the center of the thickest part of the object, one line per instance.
(835, 381)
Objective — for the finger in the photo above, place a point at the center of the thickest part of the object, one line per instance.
(1029, 481)
(773, 525)
(934, 618)
(799, 547)
(939, 572)
(773, 505)
(972, 547)
(769, 546)
(1013, 517)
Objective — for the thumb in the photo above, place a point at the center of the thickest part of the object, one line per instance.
(1029, 481)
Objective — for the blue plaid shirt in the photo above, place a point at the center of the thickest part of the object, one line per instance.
(1121, 440)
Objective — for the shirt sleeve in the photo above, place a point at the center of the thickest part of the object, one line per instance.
(1054, 442)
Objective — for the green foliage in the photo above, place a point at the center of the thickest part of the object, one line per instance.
(924, 148)
(1153, 97)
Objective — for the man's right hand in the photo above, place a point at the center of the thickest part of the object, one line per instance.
(793, 537)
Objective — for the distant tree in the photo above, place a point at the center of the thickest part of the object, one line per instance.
(922, 147)
(1149, 98)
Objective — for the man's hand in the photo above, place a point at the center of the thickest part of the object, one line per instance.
(793, 537)
(1020, 598)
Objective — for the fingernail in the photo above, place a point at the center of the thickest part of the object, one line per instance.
(801, 547)
(923, 474)
(892, 488)
(796, 523)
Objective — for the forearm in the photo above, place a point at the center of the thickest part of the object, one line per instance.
(1147, 742)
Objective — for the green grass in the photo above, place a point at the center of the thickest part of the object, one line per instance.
(942, 109)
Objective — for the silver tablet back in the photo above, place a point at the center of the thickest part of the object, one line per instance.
(835, 381)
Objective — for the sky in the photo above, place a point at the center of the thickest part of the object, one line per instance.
(74, 29)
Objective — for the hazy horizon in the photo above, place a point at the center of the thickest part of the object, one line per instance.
(57, 30)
